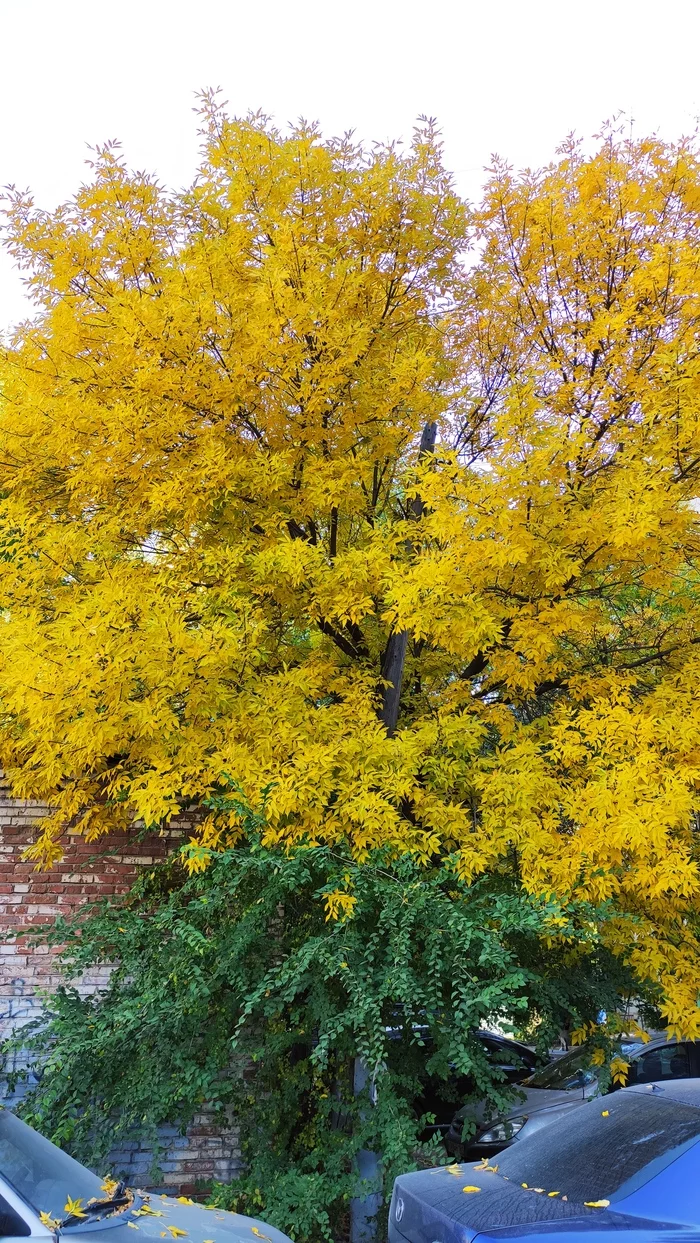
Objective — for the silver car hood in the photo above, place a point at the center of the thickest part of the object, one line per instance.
(191, 1222)
(528, 1101)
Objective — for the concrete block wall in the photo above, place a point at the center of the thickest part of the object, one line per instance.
(28, 898)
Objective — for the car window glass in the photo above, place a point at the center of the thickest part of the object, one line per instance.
(503, 1054)
(604, 1149)
(567, 1072)
(11, 1224)
(670, 1061)
(43, 1175)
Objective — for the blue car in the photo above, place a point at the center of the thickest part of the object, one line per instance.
(621, 1166)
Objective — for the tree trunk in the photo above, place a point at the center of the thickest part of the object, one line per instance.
(394, 661)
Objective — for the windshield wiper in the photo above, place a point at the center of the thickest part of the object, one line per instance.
(119, 1199)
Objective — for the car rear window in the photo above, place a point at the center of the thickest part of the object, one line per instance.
(590, 1155)
(570, 1071)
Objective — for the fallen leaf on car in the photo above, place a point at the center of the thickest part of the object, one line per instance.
(605, 1113)
(260, 1234)
(184, 1200)
(132, 1225)
(174, 1231)
(454, 1169)
(596, 1203)
(74, 1207)
(552, 1193)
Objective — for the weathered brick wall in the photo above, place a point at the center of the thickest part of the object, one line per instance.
(89, 871)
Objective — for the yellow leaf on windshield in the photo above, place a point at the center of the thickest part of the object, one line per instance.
(596, 1203)
(74, 1208)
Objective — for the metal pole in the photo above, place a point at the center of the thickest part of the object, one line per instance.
(363, 1210)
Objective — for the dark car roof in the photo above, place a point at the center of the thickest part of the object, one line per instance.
(484, 1034)
(683, 1091)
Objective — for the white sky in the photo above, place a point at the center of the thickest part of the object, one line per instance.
(512, 76)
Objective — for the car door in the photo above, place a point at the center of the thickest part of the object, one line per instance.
(673, 1060)
(17, 1221)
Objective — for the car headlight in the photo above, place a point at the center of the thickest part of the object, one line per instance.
(502, 1132)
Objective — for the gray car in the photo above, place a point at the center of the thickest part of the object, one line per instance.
(45, 1194)
(562, 1086)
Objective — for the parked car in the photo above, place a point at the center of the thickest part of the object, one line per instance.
(439, 1097)
(564, 1085)
(44, 1193)
(626, 1163)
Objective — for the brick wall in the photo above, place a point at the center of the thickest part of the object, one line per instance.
(89, 871)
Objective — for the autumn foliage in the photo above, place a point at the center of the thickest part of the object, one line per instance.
(316, 479)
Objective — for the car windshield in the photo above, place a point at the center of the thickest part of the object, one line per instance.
(605, 1149)
(43, 1175)
(567, 1072)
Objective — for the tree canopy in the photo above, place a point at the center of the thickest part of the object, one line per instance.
(317, 479)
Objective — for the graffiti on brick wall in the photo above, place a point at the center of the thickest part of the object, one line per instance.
(208, 1150)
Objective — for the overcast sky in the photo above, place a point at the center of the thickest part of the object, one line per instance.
(512, 76)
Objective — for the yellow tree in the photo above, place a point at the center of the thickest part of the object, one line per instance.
(294, 495)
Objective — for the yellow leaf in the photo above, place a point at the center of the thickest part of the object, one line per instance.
(470, 1189)
(74, 1208)
(596, 1203)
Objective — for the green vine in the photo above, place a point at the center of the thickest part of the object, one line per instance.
(232, 987)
